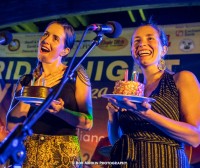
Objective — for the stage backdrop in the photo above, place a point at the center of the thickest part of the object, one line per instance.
(105, 65)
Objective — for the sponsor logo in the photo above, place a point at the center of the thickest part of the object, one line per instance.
(14, 45)
(186, 45)
(180, 33)
(113, 44)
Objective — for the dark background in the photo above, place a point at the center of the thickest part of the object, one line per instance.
(32, 16)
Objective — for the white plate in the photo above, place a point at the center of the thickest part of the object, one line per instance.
(29, 100)
(136, 99)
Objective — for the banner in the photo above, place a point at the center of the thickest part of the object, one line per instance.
(105, 65)
(183, 39)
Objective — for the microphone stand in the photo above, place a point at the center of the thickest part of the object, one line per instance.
(12, 147)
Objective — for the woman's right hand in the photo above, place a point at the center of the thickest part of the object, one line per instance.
(112, 108)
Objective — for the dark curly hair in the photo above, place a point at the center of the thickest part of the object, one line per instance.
(162, 34)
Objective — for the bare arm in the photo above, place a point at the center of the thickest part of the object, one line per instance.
(17, 113)
(187, 130)
(113, 125)
(84, 101)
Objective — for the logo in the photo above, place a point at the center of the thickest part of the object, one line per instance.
(113, 44)
(180, 33)
(14, 45)
(186, 45)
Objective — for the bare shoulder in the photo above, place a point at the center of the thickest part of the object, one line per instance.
(83, 76)
(185, 78)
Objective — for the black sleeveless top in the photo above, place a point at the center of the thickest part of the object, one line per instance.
(49, 124)
(166, 96)
(143, 145)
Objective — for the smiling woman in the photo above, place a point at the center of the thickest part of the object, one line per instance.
(143, 133)
(54, 142)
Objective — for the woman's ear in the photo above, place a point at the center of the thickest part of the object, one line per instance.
(164, 51)
(65, 52)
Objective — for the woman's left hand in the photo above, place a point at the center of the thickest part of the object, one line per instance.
(56, 106)
(134, 107)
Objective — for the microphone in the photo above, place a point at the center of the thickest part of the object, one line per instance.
(111, 29)
(5, 38)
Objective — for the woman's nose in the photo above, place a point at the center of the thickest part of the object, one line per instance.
(142, 43)
(46, 40)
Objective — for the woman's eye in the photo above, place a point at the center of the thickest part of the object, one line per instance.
(45, 34)
(136, 41)
(150, 38)
(56, 38)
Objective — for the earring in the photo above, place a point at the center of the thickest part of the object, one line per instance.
(161, 65)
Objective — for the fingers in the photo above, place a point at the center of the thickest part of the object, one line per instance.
(111, 108)
(137, 107)
(146, 105)
(52, 111)
(60, 102)
(56, 106)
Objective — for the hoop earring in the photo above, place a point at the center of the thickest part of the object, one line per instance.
(161, 65)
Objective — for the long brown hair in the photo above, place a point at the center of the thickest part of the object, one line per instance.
(70, 38)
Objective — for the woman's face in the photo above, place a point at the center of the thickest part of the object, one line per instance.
(51, 44)
(146, 46)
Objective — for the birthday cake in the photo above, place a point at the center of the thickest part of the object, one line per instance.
(129, 88)
(35, 91)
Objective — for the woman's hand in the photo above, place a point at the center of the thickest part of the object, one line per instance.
(56, 106)
(135, 107)
(112, 108)
(126, 104)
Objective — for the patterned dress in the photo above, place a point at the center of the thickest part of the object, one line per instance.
(143, 145)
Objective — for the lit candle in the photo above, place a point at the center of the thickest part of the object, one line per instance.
(33, 81)
(135, 76)
(126, 75)
(43, 82)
